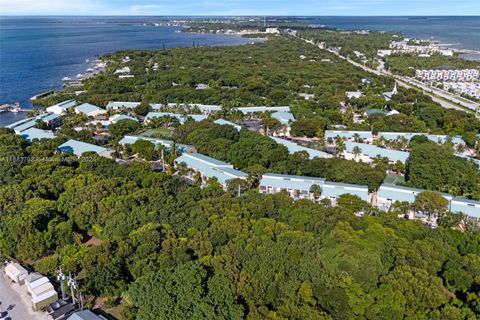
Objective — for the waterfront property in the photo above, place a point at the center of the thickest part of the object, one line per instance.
(208, 167)
(34, 133)
(181, 118)
(293, 147)
(251, 110)
(78, 148)
(120, 117)
(229, 123)
(357, 136)
(297, 187)
(89, 110)
(118, 105)
(368, 152)
(49, 118)
(62, 107)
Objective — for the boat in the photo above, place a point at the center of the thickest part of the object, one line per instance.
(87, 61)
(15, 108)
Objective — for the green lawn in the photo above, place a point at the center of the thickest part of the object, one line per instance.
(157, 133)
(393, 179)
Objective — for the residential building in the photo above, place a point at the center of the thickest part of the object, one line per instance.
(119, 117)
(285, 118)
(78, 148)
(251, 110)
(458, 75)
(470, 208)
(123, 70)
(307, 96)
(358, 136)
(49, 118)
(229, 123)
(117, 105)
(209, 167)
(62, 107)
(89, 110)
(181, 118)
(201, 86)
(299, 187)
(34, 133)
(353, 94)
(390, 136)
(205, 109)
(168, 144)
(333, 190)
(368, 152)
(293, 147)
(296, 186)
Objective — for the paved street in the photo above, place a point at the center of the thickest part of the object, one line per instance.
(16, 301)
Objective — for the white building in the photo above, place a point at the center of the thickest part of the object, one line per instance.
(353, 94)
(89, 110)
(62, 107)
(16, 272)
(209, 167)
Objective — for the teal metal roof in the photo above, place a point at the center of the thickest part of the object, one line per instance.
(34, 133)
(65, 104)
(79, 147)
(469, 207)
(181, 118)
(166, 143)
(335, 189)
(281, 181)
(372, 151)
(122, 104)
(431, 137)
(88, 108)
(263, 109)
(365, 135)
(28, 123)
(119, 117)
(189, 106)
(293, 147)
(210, 167)
(284, 117)
(226, 122)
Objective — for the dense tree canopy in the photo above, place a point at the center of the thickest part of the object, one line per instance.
(175, 251)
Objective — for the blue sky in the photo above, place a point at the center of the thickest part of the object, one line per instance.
(240, 7)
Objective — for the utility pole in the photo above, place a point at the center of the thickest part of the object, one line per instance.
(71, 284)
(61, 278)
(163, 162)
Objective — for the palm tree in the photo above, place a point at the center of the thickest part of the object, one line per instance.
(356, 152)
(339, 145)
(316, 190)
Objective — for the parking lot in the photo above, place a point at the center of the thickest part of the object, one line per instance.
(15, 301)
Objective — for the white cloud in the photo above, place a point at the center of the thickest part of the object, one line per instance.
(53, 7)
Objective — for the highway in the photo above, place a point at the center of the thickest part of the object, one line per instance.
(444, 98)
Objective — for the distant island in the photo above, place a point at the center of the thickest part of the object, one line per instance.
(316, 174)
